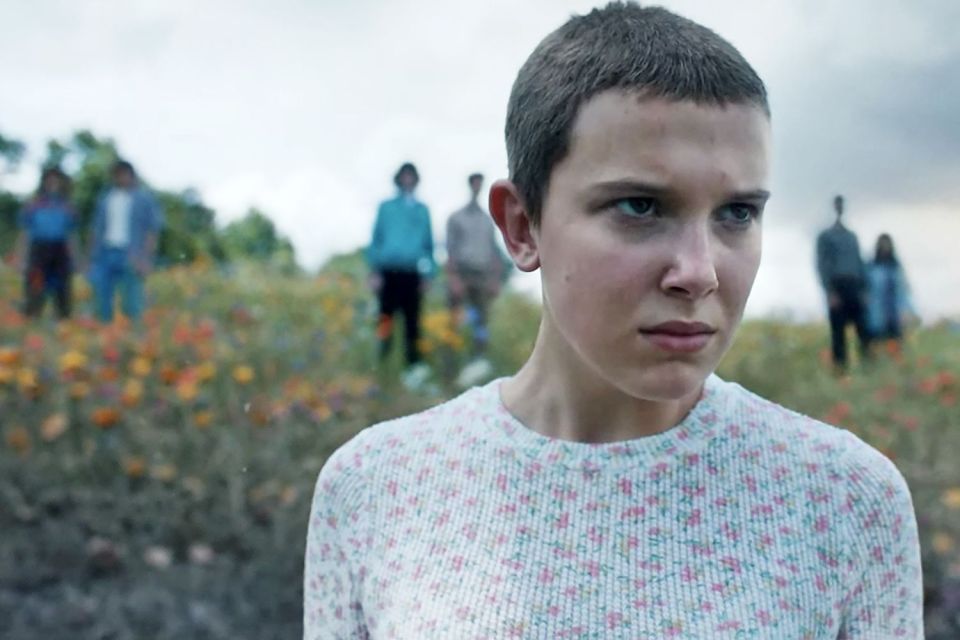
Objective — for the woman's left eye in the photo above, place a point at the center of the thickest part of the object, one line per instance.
(739, 214)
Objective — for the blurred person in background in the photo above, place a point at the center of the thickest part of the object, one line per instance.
(842, 275)
(889, 302)
(475, 269)
(401, 260)
(126, 228)
(47, 247)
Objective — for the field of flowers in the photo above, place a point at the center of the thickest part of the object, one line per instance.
(155, 479)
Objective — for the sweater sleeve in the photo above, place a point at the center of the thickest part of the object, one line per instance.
(332, 604)
(884, 597)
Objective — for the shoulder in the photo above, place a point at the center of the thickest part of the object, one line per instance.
(819, 448)
(395, 442)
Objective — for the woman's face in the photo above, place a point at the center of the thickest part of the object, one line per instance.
(884, 247)
(650, 239)
(52, 184)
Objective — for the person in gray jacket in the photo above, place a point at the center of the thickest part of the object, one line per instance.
(843, 277)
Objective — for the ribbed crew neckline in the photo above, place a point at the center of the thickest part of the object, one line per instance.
(689, 435)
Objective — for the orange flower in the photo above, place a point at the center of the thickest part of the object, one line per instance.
(168, 373)
(929, 386)
(105, 417)
(135, 467)
(946, 379)
(9, 356)
(18, 439)
(182, 334)
(109, 374)
(243, 374)
(203, 419)
(838, 413)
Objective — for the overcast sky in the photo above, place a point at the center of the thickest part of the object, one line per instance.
(306, 108)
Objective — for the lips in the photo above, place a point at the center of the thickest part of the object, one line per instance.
(679, 336)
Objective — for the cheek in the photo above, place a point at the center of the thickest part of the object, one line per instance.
(737, 272)
(596, 280)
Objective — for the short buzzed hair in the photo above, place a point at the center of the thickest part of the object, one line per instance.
(646, 50)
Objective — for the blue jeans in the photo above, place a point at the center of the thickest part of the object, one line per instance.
(110, 271)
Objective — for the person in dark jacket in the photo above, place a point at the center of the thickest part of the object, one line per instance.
(843, 277)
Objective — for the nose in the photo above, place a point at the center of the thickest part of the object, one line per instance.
(692, 271)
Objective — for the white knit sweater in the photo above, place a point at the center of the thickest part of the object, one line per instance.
(746, 520)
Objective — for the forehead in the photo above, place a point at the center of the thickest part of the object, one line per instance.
(619, 135)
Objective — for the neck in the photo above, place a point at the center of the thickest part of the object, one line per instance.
(559, 396)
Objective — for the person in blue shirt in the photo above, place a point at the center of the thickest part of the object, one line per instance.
(888, 294)
(401, 262)
(48, 243)
(124, 236)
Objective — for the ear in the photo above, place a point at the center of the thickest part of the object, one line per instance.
(510, 214)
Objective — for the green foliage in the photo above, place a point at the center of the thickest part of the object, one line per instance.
(190, 231)
(9, 208)
(11, 151)
(254, 237)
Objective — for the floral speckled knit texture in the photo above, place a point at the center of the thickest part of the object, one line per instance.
(746, 520)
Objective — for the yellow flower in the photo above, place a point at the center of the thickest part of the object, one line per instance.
(243, 374)
(72, 361)
(141, 367)
(7, 374)
(187, 391)
(951, 498)
(132, 393)
(79, 390)
(27, 379)
(206, 371)
(942, 543)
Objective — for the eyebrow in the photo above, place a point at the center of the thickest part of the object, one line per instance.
(614, 187)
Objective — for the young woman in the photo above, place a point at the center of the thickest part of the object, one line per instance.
(615, 487)
(47, 245)
(888, 294)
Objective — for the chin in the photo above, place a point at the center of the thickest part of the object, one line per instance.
(665, 382)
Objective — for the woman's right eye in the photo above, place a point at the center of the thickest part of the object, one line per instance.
(637, 207)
